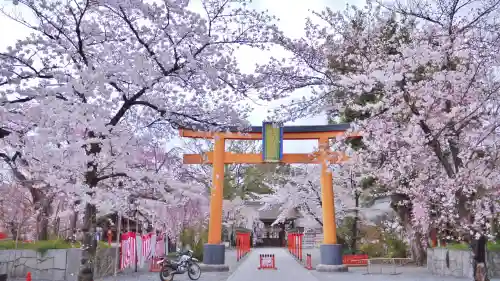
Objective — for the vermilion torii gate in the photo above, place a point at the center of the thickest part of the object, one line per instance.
(272, 136)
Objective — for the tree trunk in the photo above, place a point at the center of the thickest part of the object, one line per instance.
(39, 197)
(73, 223)
(74, 218)
(40, 201)
(479, 259)
(13, 229)
(43, 219)
(354, 227)
(57, 227)
(89, 244)
(418, 251)
(43, 230)
(90, 220)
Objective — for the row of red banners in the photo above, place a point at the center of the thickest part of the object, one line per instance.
(138, 249)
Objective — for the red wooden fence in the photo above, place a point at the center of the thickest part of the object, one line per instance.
(295, 244)
(242, 244)
(355, 260)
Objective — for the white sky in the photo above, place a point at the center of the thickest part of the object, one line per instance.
(292, 15)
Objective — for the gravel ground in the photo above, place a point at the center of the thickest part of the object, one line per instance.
(152, 276)
(205, 276)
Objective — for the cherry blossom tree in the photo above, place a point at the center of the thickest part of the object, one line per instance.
(48, 204)
(40, 191)
(237, 215)
(188, 213)
(422, 75)
(177, 204)
(64, 221)
(95, 76)
(350, 178)
(301, 190)
(433, 125)
(17, 212)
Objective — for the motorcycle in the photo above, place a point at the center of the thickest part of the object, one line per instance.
(186, 263)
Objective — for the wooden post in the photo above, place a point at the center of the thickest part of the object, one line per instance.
(118, 244)
(434, 239)
(137, 231)
(216, 197)
(327, 196)
(301, 236)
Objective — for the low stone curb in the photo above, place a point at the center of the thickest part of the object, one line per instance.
(331, 268)
(213, 267)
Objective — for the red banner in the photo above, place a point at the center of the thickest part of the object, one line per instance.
(128, 250)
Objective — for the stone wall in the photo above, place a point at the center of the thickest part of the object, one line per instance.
(458, 263)
(56, 265)
(105, 262)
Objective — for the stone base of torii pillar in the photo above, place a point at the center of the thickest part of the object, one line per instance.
(331, 258)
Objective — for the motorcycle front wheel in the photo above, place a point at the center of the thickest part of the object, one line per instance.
(166, 274)
(194, 271)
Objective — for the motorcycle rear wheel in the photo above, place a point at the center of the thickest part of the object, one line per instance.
(194, 271)
(166, 274)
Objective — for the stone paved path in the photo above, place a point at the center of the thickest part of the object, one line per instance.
(288, 268)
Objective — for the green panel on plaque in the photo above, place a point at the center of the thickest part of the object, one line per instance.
(272, 138)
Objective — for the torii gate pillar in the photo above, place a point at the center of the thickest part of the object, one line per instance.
(330, 251)
(214, 250)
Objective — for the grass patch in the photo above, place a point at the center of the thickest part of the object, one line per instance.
(490, 246)
(43, 246)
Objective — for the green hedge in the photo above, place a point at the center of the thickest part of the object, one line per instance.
(389, 247)
(188, 238)
(43, 245)
(490, 246)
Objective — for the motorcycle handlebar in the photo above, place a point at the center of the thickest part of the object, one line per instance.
(188, 252)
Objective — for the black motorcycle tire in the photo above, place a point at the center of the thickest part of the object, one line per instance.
(190, 274)
(166, 274)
